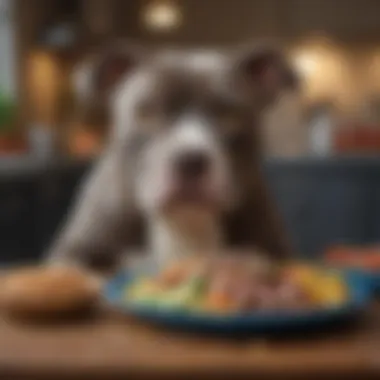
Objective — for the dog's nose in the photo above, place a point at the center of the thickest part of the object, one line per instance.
(191, 165)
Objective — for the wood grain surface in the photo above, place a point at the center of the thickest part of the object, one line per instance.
(109, 345)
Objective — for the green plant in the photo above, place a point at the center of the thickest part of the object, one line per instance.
(7, 113)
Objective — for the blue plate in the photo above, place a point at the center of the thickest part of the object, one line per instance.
(371, 278)
(360, 294)
(375, 282)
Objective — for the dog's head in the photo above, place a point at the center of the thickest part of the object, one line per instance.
(187, 120)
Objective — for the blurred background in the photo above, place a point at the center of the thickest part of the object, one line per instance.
(322, 146)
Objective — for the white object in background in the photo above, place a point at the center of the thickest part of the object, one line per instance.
(321, 128)
(283, 129)
(7, 49)
(41, 141)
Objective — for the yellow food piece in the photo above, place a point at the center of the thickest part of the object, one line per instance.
(142, 289)
(331, 290)
(304, 273)
(324, 288)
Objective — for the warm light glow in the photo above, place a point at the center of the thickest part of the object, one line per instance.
(327, 73)
(306, 63)
(161, 15)
(44, 85)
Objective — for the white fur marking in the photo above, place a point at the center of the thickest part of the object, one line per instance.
(124, 100)
(191, 133)
(168, 242)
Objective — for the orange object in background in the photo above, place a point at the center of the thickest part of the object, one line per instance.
(12, 146)
(357, 139)
(85, 144)
(367, 258)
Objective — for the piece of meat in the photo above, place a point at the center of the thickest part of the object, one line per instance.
(290, 296)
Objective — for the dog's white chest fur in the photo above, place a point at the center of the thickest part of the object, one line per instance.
(172, 239)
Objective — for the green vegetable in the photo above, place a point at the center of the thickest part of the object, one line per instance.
(181, 297)
(142, 292)
(7, 112)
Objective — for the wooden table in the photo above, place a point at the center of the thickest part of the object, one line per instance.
(110, 346)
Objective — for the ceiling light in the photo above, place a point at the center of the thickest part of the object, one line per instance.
(306, 63)
(162, 15)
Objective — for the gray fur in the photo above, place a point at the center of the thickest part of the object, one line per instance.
(108, 216)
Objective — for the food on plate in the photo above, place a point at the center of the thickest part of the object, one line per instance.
(323, 287)
(44, 292)
(233, 285)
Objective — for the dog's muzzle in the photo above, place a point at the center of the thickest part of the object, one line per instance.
(192, 166)
(192, 178)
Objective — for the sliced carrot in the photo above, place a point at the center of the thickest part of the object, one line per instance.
(219, 302)
(174, 275)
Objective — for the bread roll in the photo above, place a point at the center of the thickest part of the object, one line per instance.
(48, 291)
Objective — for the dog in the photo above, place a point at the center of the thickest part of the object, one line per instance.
(180, 173)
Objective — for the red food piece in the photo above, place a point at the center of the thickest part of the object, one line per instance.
(365, 258)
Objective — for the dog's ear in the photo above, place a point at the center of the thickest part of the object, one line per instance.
(263, 72)
(97, 77)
